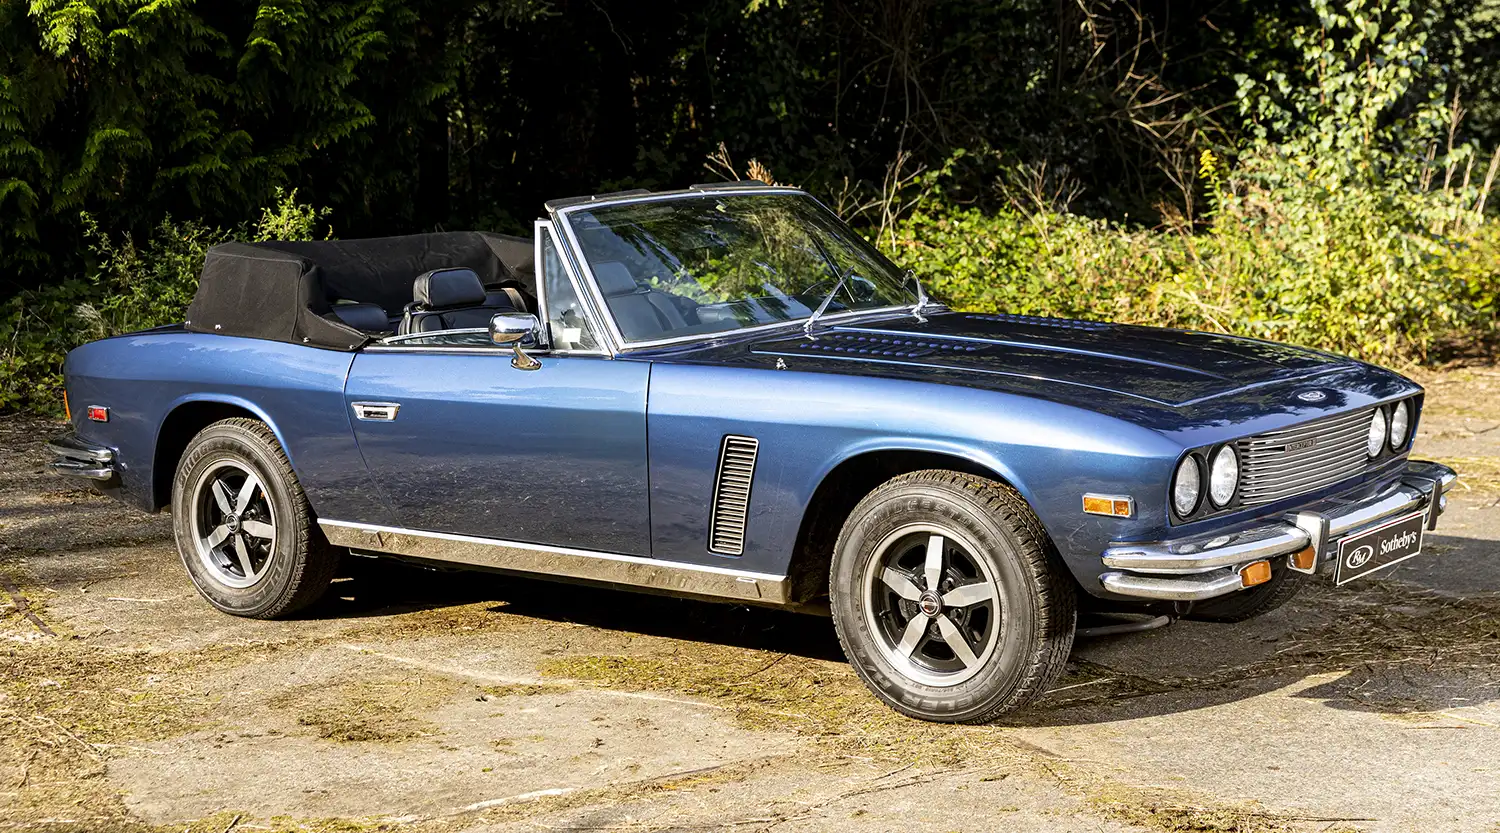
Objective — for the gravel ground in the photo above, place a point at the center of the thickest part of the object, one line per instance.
(467, 702)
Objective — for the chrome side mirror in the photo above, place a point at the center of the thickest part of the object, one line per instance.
(514, 329)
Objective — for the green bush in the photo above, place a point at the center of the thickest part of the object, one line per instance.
(130, 288)
(1349, 222)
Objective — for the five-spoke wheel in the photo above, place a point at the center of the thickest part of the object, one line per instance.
(934, 605)
(234, 524)
(244, 527)
(948, 598)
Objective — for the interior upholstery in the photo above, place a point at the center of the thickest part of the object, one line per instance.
(369, 318)
(641, 312)
(451, 299)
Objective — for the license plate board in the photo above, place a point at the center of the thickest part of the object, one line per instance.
(1387, 544)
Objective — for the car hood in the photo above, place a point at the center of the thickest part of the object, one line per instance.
(1200, 387)
(1174, 368)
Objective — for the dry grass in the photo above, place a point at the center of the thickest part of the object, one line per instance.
(1476, 475)
(1176, 811)
(368, 711)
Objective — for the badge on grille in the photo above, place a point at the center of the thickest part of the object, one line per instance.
(1300, 444)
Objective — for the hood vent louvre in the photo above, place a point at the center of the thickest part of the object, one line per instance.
(731, 512)
(896, 347)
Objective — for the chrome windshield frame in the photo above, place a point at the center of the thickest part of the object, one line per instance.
(617, 339)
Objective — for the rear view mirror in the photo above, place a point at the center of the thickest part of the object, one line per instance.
(514, 329)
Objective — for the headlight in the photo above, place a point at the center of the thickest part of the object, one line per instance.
(1223, 476)
(1400, 424)
(1187, 486)
(1375, 439)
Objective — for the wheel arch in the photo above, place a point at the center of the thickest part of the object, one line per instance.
(184, 420)
(846, 482)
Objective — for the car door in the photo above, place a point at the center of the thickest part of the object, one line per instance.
(460, 441)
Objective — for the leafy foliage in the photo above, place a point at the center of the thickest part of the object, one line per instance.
(132, 288)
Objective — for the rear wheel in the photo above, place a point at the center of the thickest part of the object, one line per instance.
(243, 526)
(946, 598)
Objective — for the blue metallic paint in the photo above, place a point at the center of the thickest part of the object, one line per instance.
(551, 456)
(297, 391)
(560, 455)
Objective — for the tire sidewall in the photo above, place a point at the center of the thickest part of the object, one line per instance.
(241, 447)
(1007, 668)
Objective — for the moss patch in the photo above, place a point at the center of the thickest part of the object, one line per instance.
(382, 710)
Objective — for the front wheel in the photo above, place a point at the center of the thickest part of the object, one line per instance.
(946, 598)
(243, 526)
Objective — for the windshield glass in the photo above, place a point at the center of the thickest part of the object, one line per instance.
(713, 263)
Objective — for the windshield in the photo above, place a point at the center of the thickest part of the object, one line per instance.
(714, 263)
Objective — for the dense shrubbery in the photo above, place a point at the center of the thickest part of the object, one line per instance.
(1350, 220)
(133, 287)
(1346, 218)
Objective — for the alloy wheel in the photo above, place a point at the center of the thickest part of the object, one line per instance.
(933, 605)
(233, 525)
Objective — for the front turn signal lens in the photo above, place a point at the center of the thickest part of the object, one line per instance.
(1304, 560)
(1114, 505)
(1256, 572)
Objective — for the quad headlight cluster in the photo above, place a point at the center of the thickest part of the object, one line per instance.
(1222, 478)
(1208, 479)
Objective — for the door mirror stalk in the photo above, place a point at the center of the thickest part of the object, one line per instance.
(514, 329)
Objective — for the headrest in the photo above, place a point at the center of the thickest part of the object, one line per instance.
(445, 288)
(370, 318)
(614, 278)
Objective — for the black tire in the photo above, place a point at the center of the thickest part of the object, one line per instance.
(1017, 647)
(286, 569)
(1248, 604)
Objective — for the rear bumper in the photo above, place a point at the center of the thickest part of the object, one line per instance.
(1208, 565)
(81, 458)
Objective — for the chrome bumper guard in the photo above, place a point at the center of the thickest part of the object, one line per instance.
(79, 458)
(1208, 565)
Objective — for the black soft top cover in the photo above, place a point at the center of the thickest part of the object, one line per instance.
(285, 290)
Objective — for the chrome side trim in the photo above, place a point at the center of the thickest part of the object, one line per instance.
(563, 563)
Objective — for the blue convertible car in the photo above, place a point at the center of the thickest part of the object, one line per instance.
(725, 393)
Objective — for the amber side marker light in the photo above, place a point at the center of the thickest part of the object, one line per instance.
(1256, 572)
(67, 409)
(1304, 560)
(1118, 506)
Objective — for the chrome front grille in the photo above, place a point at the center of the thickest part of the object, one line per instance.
(731, 510)
(1292, 461)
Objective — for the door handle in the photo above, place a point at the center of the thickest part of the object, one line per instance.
(376, 411)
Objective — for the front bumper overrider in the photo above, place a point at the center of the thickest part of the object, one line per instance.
(1207, 565)
(76, 457)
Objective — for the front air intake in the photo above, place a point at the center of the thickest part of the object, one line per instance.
(726, 533)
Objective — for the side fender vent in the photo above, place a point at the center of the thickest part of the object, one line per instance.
(726, 532)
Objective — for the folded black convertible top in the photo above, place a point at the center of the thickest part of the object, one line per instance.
(285, 290)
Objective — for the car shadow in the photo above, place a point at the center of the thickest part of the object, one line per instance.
(378, 587)
(1385, 646)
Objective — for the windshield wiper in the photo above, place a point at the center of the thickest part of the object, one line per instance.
(828, 299)
(833, 268)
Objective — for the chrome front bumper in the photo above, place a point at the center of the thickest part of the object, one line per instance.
(80, 458)
(1208, 565)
